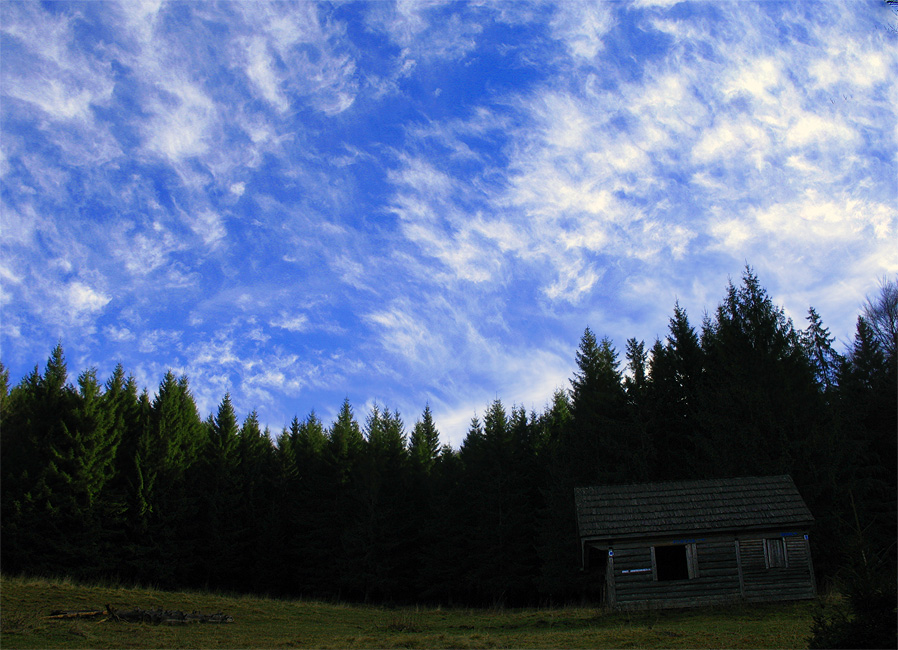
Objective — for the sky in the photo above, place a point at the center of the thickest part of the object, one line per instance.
(412, 203)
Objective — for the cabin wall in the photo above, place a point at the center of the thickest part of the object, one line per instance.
(635, 585)
(727, 569)
(792, 582)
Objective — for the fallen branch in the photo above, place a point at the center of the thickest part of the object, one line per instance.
(80, 613)
(138, 615)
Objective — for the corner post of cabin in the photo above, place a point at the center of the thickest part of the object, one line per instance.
(611, 596)
(807, 553)
(739, 569)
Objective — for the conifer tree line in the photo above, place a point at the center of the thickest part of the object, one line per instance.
(101, 480)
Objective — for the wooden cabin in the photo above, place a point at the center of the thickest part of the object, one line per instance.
(692, 543)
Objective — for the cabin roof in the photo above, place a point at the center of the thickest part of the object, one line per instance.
(607, 512)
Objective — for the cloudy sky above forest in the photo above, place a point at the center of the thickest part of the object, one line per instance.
(427, 202)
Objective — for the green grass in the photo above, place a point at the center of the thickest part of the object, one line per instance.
(266, 623)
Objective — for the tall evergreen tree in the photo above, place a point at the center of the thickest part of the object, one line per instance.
(819, 349)
(256, 477)
(881, 315)
(869, 403)
(675, 372)
(37, 514)
(759, 395)
(593, 449)
(379, 541)
(342, 454)
(424, 446)
(169, 448)
(81, 467)
(218, 487)
(314, 548)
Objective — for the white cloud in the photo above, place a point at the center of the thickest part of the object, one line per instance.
(582, 26)
(809, 129)
(209, 226)
(296, 54)
(292, 322)
(119, 334)
(83, 298)
(54, 75)
(424, 31)
(729, 141)
(260, 70)
(405, 334)
(183, 119)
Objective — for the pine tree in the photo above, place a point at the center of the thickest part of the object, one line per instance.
(82, 466)
(45, 489)
(675, 373)
(560, 578)
(314, 547)
(594, 449)
(218, 487)
(342, 455)
(818, 345)
(379, 541)
(256, 480)
(167, 450)
(868, 392)
(759, 398)
(424, 446)
(881, 315)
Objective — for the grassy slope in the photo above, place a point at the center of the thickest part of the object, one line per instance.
(262, 623)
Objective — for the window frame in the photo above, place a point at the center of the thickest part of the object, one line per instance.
(776, 554)
(692, 570)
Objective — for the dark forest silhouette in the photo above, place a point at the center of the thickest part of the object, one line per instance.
(103, 481)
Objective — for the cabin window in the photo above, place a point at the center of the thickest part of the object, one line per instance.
(674, 562)
(775, 553)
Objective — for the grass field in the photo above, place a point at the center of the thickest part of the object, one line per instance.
(265, 623)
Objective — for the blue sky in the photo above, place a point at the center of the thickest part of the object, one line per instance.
(427, 202)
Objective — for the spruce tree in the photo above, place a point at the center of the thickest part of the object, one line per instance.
(824, 359)
(256, 466)
(167, 451)
(219, 490)
(41, 501)
(759, 399)
(675, 372)
(424, 445)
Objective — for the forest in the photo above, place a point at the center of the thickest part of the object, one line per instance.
(102, 480)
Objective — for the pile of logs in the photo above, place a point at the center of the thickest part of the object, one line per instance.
(155, 616)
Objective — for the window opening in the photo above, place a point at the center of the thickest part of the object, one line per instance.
(675, 562)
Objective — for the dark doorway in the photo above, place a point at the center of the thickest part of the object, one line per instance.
(596, 568)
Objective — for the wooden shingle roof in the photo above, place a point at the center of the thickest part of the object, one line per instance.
(690, 507)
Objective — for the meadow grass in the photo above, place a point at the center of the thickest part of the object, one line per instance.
(269, 623)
